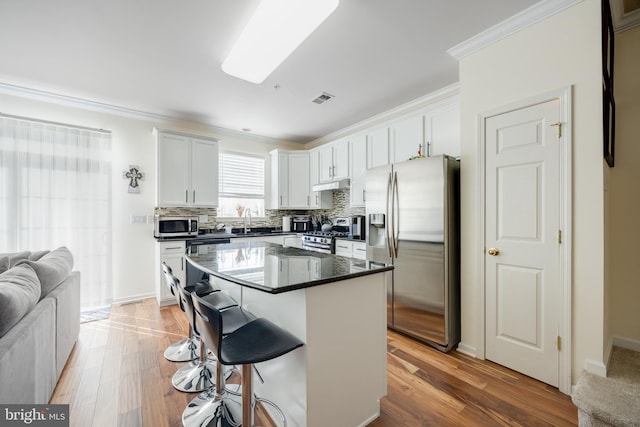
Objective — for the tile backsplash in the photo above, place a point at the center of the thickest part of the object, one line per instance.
(273, 217)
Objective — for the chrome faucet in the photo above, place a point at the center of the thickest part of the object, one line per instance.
(247, 213)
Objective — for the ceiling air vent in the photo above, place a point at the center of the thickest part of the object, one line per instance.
(322, 98)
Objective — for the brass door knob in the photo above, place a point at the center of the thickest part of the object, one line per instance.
(494, 251)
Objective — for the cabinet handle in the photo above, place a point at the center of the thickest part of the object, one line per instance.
(317, 203)
(333, 173)
(308, 201)
(182, 263)
(175, 247)
(280, 200)
(330, 174)
(194, 196)
(364, 199)
(186, 196)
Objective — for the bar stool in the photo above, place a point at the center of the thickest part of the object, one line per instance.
(199, 411)
(187, 348)
(198, 374)
(257, 341)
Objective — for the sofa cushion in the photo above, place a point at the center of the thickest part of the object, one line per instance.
(52, 268)
(4, 263)
(19, 293)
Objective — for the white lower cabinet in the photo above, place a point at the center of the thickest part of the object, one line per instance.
(292, 241)
(351, 249)
(171, 253)
(359, 250)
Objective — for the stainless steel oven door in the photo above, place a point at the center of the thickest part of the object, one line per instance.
(310, 246)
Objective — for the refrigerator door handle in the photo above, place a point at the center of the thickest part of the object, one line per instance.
(388, 218)
(395, 215)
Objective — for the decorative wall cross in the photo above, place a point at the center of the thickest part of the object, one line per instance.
(133, 175)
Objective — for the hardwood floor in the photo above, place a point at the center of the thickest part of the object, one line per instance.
(117, 376)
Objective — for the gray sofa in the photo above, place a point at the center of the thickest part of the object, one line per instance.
(39, 322)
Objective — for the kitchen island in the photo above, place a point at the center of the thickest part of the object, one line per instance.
(336, 305)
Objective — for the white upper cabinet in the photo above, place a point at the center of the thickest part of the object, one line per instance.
(334, 161)
(319, 199)
(204, 176)
(358, 147)
(187, 168)
(442, 127)
(298, 178)
(378, 147)
(279, 197)
(407, 137)
(290, 180)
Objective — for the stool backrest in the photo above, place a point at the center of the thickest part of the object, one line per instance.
(167, 272)
(209, 322)
(187, 302)
(173, 283)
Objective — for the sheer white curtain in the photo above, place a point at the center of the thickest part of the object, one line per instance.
(55, 190)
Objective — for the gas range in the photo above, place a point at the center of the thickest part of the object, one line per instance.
(322, 241)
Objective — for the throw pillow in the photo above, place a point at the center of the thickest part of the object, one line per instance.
(52, 268)
(19, 293)
(35, 256)
(15, 258)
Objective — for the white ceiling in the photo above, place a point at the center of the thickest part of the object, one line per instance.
(163, 57)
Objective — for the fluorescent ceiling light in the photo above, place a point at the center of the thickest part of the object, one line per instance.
(276, 29)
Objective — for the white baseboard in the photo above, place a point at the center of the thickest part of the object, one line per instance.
(133, 298)
(468, 350)
(595, 367)
(628, 343)
(608, 349)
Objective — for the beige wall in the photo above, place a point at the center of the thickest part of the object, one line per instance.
(132, 144)
(624, 189)
(560, 51)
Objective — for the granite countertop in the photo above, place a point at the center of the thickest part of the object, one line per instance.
(273, 268)
(223, 235)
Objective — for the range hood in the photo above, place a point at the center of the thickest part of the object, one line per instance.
(340, 184)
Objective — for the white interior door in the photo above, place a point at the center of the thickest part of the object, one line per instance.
(522, 255)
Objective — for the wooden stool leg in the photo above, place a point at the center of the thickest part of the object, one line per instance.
(247, 396)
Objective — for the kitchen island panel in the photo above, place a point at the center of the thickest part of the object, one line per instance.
(339, 376)
(347, 351)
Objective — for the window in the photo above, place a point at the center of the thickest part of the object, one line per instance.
(241, 185)
(55, 190)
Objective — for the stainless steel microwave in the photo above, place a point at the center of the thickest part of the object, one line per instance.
(175, 226)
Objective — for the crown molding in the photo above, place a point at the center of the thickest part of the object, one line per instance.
(100, 107)
(509, 26)
(430, 99)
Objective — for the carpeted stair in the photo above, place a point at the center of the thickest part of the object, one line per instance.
(614, 400)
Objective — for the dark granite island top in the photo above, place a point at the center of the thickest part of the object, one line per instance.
(273, 268)
(337, 306)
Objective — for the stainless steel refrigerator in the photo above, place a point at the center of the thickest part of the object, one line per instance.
(413, 217)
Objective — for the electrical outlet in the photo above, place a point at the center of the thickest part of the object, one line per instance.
(138, 219)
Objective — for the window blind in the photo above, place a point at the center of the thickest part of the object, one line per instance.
(241, 176)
